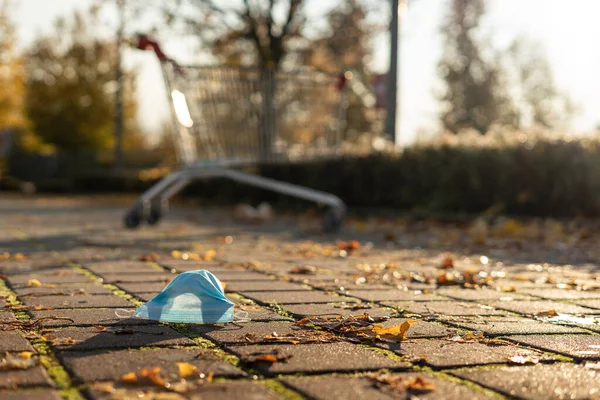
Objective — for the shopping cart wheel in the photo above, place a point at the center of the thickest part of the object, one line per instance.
(331, 222)
(132, 219)
(155, 214)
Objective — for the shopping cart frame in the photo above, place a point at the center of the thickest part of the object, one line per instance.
(153, 204)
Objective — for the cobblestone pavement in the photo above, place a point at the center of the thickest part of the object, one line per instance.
(390, 315)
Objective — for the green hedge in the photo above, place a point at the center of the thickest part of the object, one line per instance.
(545, 178)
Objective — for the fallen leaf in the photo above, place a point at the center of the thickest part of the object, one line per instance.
(447, 262)
(397, 332)
(186, 369)
(130, 377)
(100, 328)
(271, 358)
(209, 255)
(419, 384)
(153, 375)
(32, 283)
(549, 313)
(22, 360)
(473, 335)
(522, 359)
(303, 270)
(150, 257)
(348, 246)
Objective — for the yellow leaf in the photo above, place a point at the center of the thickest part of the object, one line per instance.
(176, 254)
(18, 256)
(129, 378)
(34, 283)
(186, 369)
(209, 255)
(394, 332)
(25, 355)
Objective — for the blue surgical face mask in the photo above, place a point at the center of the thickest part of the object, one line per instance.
(194, 297)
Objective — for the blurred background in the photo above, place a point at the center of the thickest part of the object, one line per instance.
(456, 105)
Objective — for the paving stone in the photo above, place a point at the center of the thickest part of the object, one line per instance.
(89, 317)
(63, 290)
(42, 394)
(543, 382)
(494, 326)
(146, 287)
(14, 379)
(558, 294)
(332, 309)
(595, 304)
(447, 354)
(13, 341)
(481, 294)
(240, 276)
(452, 308)
(580, 347)
(262, 286)
(124, 266)
(421, 329)
(77, 301)
(6, 316)
(91, 366)
(214, 391)
(138, 277)
(320, 357)
(236, 333)
(297, 297)
(53, 276)
(392, 295)
(258, 313)
(130, 336)
(339, 387)
(540, 306)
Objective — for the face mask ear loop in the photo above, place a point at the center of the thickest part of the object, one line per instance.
(241, 316)
(123, 313)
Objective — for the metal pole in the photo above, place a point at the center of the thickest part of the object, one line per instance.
(119, 89)
(392, 77)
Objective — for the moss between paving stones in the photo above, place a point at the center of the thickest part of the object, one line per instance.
(115, 290)
(388, 353)
(471, 385)
(281, 389)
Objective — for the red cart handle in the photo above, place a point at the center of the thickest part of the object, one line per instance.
(145, 43)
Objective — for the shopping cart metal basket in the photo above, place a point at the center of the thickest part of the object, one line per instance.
(227, 118)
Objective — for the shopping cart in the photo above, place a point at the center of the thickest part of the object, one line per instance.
(227, 118)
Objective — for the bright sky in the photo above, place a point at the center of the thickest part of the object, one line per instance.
(568, 30)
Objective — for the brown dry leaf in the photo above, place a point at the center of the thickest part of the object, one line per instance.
(150, 257)
(186, 369)
(18, 256)
(348, 246)
(549, 313)
(153, 375)
(522, 359)
(100, 328)
(401, 384)
(209, 255)
(304, 270)
(419, 384)
(397, 332)
(447, 262)
(32, 283)
(130, 377)
(270, 358)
